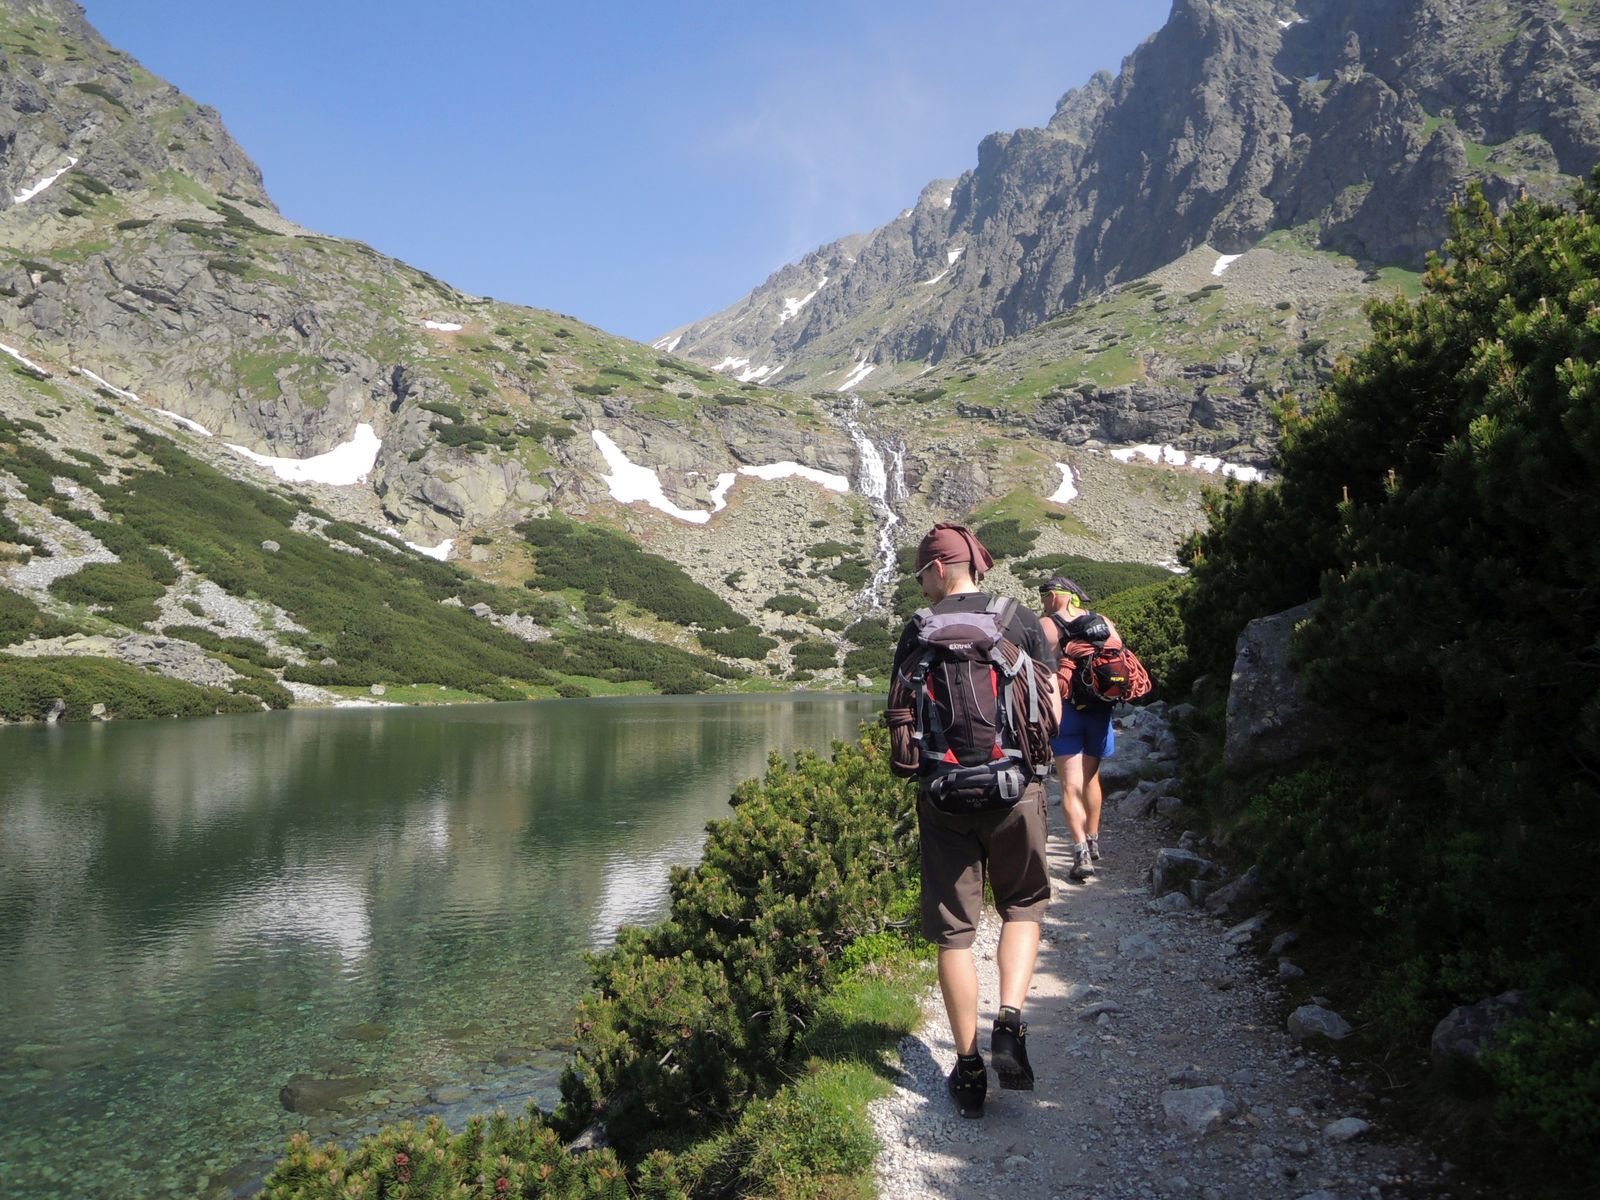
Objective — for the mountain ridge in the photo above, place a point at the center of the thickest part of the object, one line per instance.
(1238, 117)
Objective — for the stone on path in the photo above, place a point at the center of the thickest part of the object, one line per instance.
(1175, 869)
(1196, 1110)
(1140, 947)
(1241, 933)
(1238, 894)
(1345, 1129)
(1312, 1020)
(1170, 903)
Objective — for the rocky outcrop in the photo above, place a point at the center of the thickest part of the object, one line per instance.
(96, 107)
(1271, 723)
(1358, 121)
(1470, 1029)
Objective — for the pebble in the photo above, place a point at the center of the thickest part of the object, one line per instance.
(1345, 1129)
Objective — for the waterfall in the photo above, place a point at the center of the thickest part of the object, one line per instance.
(880, 483)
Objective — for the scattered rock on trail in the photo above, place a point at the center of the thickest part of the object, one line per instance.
(1196, 1110)
(1241, 892)
(1345, 1129)
(1175, 869)
(1312, 1020)
(1165, 1077)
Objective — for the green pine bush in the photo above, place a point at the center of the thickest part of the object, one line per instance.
(1438, 499)
(694, 1018)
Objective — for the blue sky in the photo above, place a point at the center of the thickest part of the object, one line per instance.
(636, 165)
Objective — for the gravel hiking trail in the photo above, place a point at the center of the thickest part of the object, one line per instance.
(1163, 1065)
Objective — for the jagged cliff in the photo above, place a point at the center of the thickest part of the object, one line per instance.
(1355, 122)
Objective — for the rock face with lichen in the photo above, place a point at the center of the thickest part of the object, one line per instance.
(1353, 122)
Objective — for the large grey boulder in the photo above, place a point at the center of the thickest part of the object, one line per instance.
(1469, 1029)
(1271, 723)
(1140, 800)
(1312, 1020)
(1241, 892)
(1175, 869)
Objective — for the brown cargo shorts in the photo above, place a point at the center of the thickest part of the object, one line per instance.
(958, 852)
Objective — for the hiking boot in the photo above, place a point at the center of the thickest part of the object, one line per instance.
(1094, 847)
(1082, 869)
(1008, 1048)
(968, 1083)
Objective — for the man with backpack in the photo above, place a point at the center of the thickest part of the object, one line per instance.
(1083, 642)
(972, 707)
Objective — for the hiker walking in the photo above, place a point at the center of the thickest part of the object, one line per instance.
(972, 707)
(1086, 735)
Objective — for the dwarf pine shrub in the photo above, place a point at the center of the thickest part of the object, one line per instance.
(691, 1019)
(1438, 499)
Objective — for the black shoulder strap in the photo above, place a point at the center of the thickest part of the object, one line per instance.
(1001, 607)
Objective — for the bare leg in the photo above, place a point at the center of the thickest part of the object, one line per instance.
(958, 980)
(1092, 799)
(1073, 807)
(1019, 949)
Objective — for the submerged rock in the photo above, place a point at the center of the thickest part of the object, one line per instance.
(308, 1094)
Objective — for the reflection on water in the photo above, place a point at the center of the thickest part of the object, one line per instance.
(191, 913)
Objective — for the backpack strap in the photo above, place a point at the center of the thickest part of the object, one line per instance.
(925, 712)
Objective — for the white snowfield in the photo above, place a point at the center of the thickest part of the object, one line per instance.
(1171, 456)
(936, 278)
(1224, 261)
(791, 306)
(857, 373)
(1282, 24)
(443, 326)
(22, 358)
(949, 196)
(950, 256)
(110, 387)
(23, 197)
(630, 483)
(667, 344)
(194, 426)
(345, 464)
(745, 372)
(441, 551)
(1067, 492)
(794, 470)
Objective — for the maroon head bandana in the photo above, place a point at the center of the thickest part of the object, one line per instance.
(954, 544)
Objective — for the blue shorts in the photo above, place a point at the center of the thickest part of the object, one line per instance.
(1085, 733)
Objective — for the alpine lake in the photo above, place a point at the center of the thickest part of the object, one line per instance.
(215, 933)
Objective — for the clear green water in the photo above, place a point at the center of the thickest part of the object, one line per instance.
(192, 913)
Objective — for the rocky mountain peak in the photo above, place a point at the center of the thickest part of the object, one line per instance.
(68, 99)
(1355, 122)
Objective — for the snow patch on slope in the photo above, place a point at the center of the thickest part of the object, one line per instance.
(346, 464)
